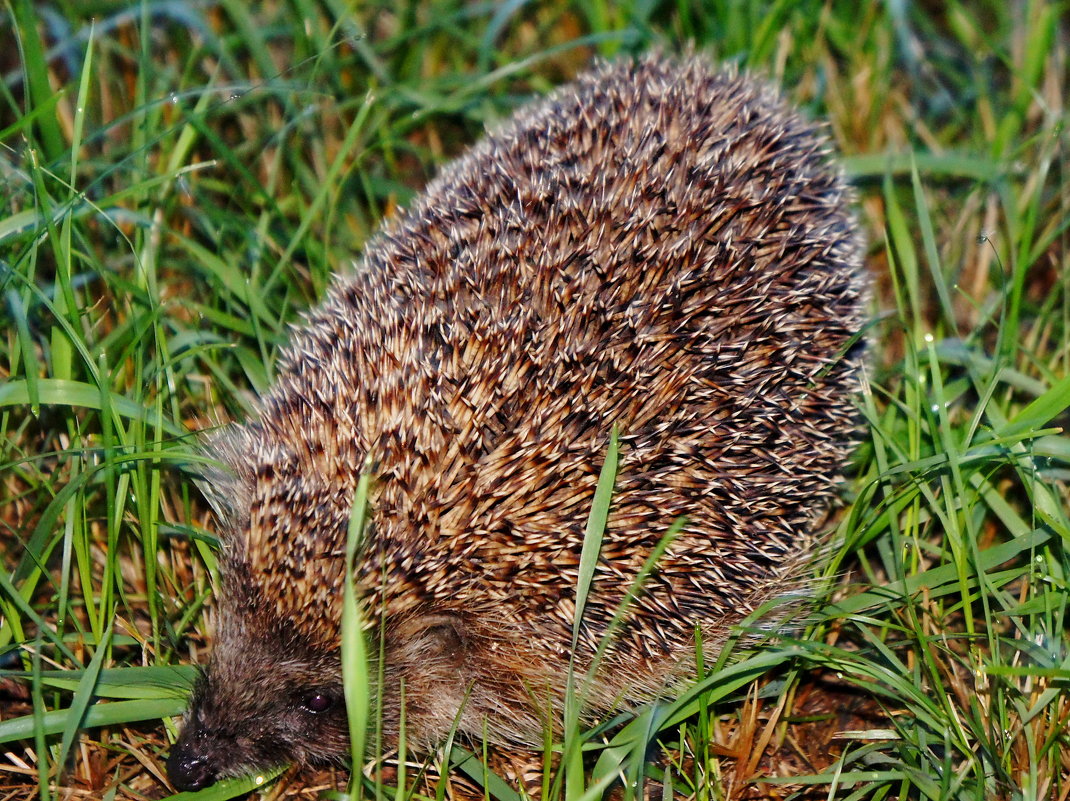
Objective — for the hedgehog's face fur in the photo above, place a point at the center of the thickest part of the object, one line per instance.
(252, 709)
(271, 695)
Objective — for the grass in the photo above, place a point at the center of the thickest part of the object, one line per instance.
(181, 180)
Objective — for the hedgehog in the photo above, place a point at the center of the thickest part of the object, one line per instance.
(663, 247)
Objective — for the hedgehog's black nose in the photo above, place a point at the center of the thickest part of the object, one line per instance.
(189, 771)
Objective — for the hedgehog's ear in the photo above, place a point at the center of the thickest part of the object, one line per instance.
(444, 637)
(227, 481)
(441, 638)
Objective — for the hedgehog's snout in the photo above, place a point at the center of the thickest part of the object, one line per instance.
(189, 766)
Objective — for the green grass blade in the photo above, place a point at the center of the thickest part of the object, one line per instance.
(353, 650)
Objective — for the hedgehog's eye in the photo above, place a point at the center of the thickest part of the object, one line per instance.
(317, 702)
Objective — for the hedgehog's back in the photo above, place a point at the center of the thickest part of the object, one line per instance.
(659, 247)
